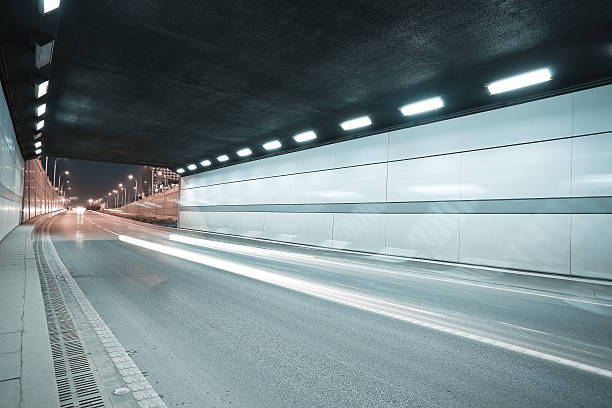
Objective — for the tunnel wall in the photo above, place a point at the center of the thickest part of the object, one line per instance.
(11, 172)
(527, 187)
(39, 196)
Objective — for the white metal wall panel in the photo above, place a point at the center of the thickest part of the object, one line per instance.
(431, 139)
(426, 179)
(539, 242)
(524, 171)
(592, 166)
(592, 110)
(430, 236)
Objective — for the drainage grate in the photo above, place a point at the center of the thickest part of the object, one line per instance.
(76, 384)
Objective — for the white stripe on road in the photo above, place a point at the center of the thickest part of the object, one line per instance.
(405, 313)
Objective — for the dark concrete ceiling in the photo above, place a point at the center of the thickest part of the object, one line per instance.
(175, 81)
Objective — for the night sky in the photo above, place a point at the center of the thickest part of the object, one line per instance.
(91, 179)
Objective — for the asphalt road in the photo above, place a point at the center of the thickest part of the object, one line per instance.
(213, 331)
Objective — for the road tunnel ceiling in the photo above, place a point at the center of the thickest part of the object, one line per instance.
(169, 82)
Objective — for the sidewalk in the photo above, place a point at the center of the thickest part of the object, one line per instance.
(26, 366)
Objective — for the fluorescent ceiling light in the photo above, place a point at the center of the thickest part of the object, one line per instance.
(191, 167)
(223, 158)
(43, 50)
(422, 106)
(41, 109)
(205, 163)
(356, 123)
(40, 88)
(244, 152)
(272, 145)
(38, 144)
(180, 170)
(305, 137)
(40, 124)
(520, 81)
(37, 151)
(46, 6)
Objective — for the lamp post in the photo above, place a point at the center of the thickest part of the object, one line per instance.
(59, 182)
(116, 195)
(54, 168)
(131, 177)
(124, 194)
(62, 191)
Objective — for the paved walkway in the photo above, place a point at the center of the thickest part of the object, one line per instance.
(26, 366)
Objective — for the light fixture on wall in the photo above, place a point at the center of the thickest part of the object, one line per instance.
(38, 151)
(43, 50)
(40, 87)
(38, 144)
(356, 123)
(272, 145)
(40, 124)
(422, 106)
(244, 152)
(520, 81)
(223, 158)
(41, 109)
(305, 136)
(191, 167)
(47, 6)
(205, 163)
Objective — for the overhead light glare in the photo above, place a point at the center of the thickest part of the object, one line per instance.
(43, 50)
(46, 6)
(356, 123)
(520, 81)
(205, 163)
(223, 158)
(305, 136)
(41, 109)
(272, 145)
(38, 144)
(244, 152)
(422, 106)
(191, 167)
(37, 151)
(180, 170)
(40, 124)
(40, 88)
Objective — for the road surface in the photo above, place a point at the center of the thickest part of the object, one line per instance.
(221, 323)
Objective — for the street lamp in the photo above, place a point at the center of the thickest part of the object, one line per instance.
(54, 168)
(116, 195)
(131, 177)
(59, 182)
(62, 191)
(124, 194)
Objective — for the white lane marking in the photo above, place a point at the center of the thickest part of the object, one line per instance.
(141, 389)
(263, 252)
(524, 328)
(347, 298)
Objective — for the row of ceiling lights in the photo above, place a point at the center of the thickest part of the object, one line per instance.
(432, 104)
(43, 52)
